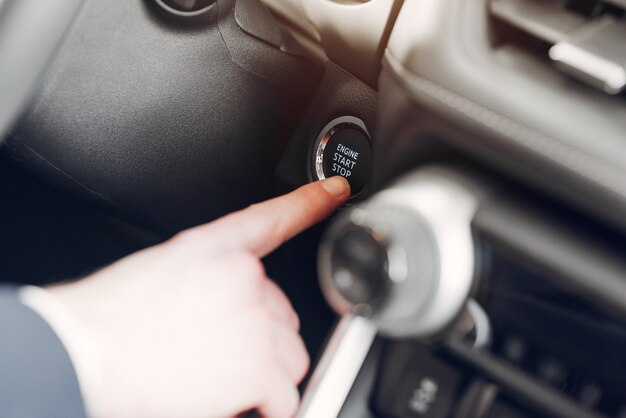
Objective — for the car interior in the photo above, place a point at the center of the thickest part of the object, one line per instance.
(478, 269)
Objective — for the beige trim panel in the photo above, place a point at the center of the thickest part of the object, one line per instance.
(351, 32)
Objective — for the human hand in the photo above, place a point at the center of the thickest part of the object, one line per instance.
(193, 327)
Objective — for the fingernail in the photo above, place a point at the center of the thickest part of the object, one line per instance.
(336, 186)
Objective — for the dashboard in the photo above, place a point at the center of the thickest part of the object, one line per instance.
(485, 141)
(479, 86)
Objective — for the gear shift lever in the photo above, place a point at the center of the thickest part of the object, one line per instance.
(404, 259)
(400, 265)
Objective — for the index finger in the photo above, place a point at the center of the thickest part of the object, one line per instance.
(263, 227)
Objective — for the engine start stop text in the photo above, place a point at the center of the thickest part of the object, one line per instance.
(344, 161)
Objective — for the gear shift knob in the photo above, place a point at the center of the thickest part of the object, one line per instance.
(401, 265)
(405, 258)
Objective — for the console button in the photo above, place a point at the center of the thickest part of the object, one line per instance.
(344, 149)
(590, 395)
(515, 349)
(348, 154)
(552, 371)
(415, 384)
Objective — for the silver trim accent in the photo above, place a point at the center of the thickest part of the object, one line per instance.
(324, 136)
(607, 75)
(482, 324)
(183, 13)
(338, 368)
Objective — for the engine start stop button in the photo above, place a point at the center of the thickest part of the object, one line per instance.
(344, 149)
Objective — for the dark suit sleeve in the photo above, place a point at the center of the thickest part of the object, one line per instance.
(37, 378)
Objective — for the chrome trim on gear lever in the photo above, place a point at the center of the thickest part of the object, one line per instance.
(338, 368)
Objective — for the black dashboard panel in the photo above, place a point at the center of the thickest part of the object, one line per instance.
(170, 122)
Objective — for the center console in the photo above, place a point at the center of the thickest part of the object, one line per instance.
(461, 298)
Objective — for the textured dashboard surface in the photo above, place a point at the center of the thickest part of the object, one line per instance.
(170, 123)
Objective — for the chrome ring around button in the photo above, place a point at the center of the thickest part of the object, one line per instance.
(326, 134)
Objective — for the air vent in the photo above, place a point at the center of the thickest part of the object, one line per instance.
(583, 38)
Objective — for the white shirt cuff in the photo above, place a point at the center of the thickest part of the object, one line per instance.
(76, 338)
